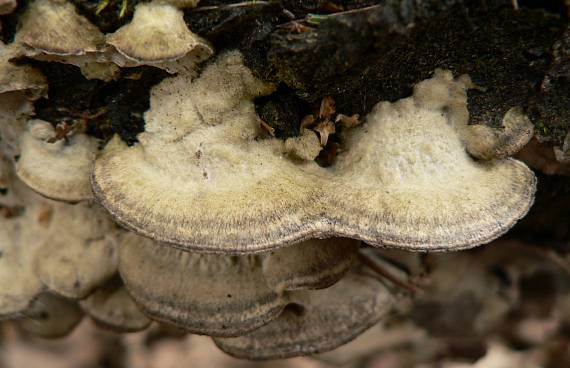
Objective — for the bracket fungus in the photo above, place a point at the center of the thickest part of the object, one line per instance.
(74, 262)
(158, 36)
(52, 30)
(14, 78)
(225, 295)
(111, 306)
(317, 321)
(56, 167)
(68, 249)
(404, 180)
(51, 316)
(53, 27)
(262, 232)
(18, 284)
(19, 86)
(488, 143)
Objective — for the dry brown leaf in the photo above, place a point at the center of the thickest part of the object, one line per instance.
(307, 122)
(61, 132)
(327, 109)
(348, 121)
(325, 128)
(297, 27)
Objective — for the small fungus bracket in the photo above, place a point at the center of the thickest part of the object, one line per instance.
(488, 143)
(56, 168)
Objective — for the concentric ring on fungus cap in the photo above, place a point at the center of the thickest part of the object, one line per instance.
(202, 178)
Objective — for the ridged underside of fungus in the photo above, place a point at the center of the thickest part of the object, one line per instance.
(227, 295)
(113, 308)
(316, 321)
(203, 177)
(51, 316)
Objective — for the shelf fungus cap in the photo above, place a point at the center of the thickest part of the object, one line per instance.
(158, 36)
(201, 176)
(19, 86)
(56, 167)
(413, 183)
(51, 316)
(111, 307)
(18, 283)
(53, 27)
(312, 264)
(488, 143)
(316, 321)
(52, 30)
(21, 230)
(226, 295)
(76, 261)
(22, 78)
(68, 249)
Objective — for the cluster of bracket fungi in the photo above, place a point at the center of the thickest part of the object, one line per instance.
(208, 224)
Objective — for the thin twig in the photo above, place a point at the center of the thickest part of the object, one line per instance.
(374, 266)
(244, 4)
(318, 18)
